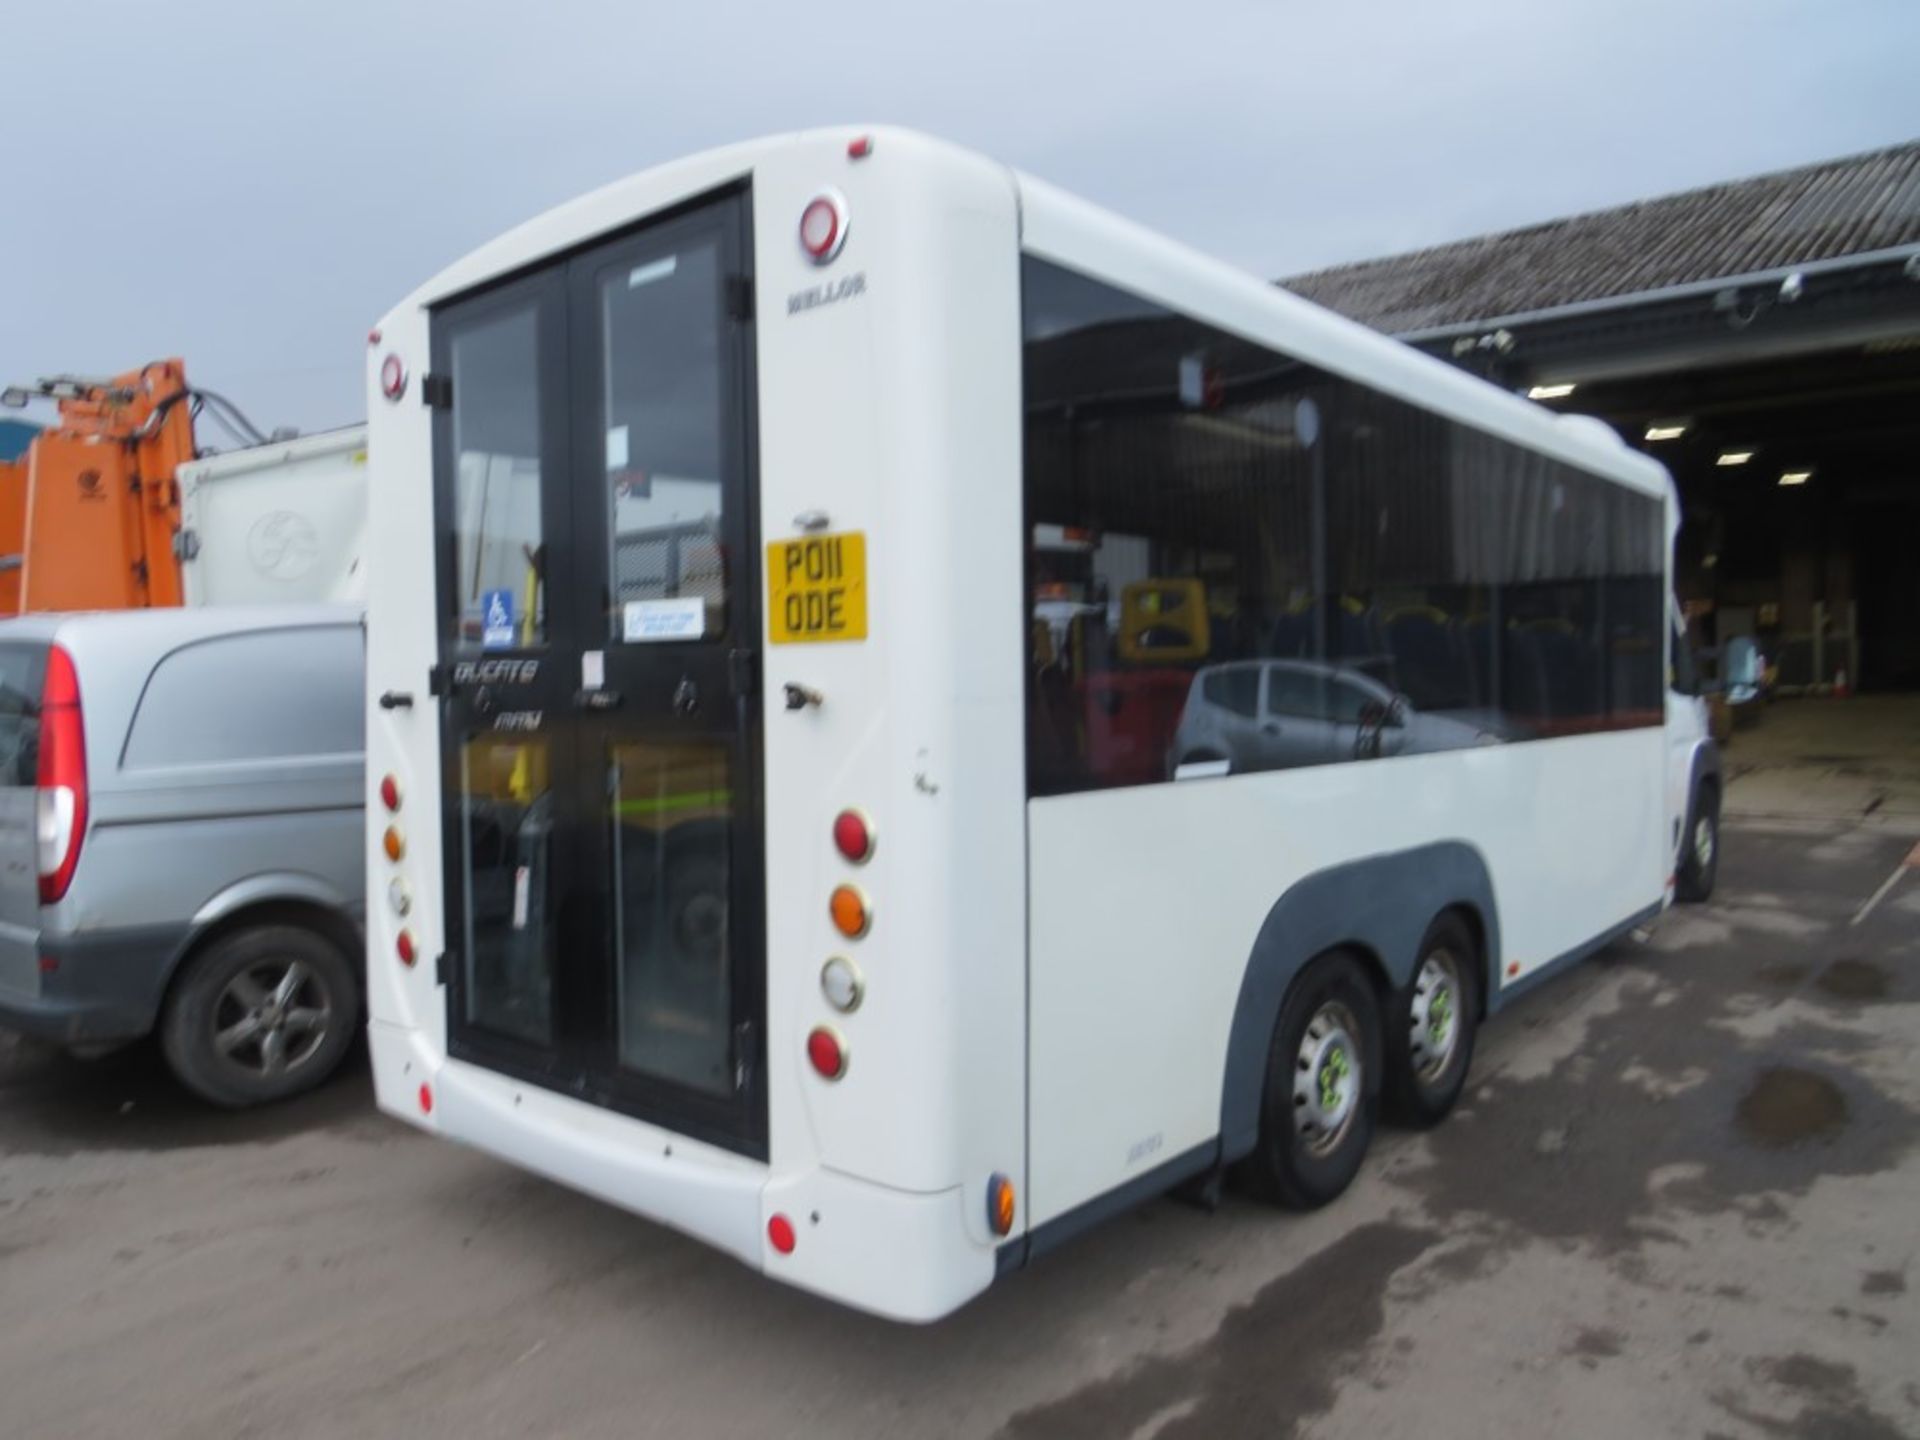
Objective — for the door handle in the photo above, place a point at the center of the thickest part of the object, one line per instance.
(597, 699)
(1272, 727)
(686, 696)
(483, 701)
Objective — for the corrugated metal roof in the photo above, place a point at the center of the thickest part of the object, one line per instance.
(1821, 212)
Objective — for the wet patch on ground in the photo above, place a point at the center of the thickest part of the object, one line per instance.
(1787, 1105)
(54, 1104)
(1826, 1392)
(1884, 1282)
(1851, 979)
(1314, 1319)
(1718, 1123)
(1590, 1346)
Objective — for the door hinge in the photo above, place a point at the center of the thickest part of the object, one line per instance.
(740, 297)
(743, 674)
(442, 969)
(439, 681)
(186, 544)
(436, 392)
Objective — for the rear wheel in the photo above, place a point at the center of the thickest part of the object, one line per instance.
(1431, 1025)
(1700, 850)
(1316, 1116)
(260, 1014)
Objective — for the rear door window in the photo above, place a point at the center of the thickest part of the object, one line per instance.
(22, 671)
(265, 695)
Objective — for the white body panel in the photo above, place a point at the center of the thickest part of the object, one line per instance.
(286, 521)
(996, 1028)
(1150, 938)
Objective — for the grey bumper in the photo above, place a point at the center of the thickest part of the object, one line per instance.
(96, 987)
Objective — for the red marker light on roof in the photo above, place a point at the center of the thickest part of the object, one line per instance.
(393, 377)
(860, 147)
(823, 226)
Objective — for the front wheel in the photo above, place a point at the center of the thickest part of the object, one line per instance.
(1316, 1116)
(261, 1014)
(1700, 850)
(1431, 1025)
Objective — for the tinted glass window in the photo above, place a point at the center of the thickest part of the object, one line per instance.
(268, 695)
(22, 670)
(1235, 688)
(500, 599)
(1199, 500)
(661, 333)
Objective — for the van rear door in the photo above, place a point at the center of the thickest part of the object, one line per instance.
(23, 667)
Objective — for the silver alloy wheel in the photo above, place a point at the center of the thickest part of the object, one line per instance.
(1327, 1078)
(1703, 843)
(272, 1017)
(1433, 1016)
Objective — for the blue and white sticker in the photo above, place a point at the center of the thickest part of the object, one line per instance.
(651, 621)
(496, 620)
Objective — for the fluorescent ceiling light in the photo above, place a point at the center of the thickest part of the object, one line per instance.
(1549, 392)
(1795, 477)
(1734, 457)
(1667, 432)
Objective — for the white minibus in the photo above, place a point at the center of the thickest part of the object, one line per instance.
(907, 714)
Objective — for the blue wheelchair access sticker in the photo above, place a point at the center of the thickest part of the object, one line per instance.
(496, 620)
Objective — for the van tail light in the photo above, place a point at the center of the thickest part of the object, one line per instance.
(60, 811)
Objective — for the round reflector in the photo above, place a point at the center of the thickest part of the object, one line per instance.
(827, 1052)
(780, 1234)
(393, 377)
(823, 226)
(840, 982)
(394, 843)
(1000, 1204)
(851, 917)
(390, 792)
(853, 836)
(404, 948)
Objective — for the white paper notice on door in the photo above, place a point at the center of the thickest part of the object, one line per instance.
(522, 884)
(647, 621)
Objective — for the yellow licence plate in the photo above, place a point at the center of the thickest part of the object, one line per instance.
(817, 588)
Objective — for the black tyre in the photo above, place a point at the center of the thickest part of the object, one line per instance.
(1700, 848)
(1431, 1024)
(260, 1014)
(1322, 1084)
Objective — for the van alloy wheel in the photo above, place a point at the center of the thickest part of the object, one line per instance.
(272, 1017)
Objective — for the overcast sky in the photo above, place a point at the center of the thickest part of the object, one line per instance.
(249, 184)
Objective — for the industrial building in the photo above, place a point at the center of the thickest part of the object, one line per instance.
(1762, 338)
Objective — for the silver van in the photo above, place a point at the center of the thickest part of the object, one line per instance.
(181, 794)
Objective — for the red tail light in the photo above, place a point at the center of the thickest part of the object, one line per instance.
(61, 805)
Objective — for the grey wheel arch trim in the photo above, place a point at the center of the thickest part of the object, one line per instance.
(1382, 904)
